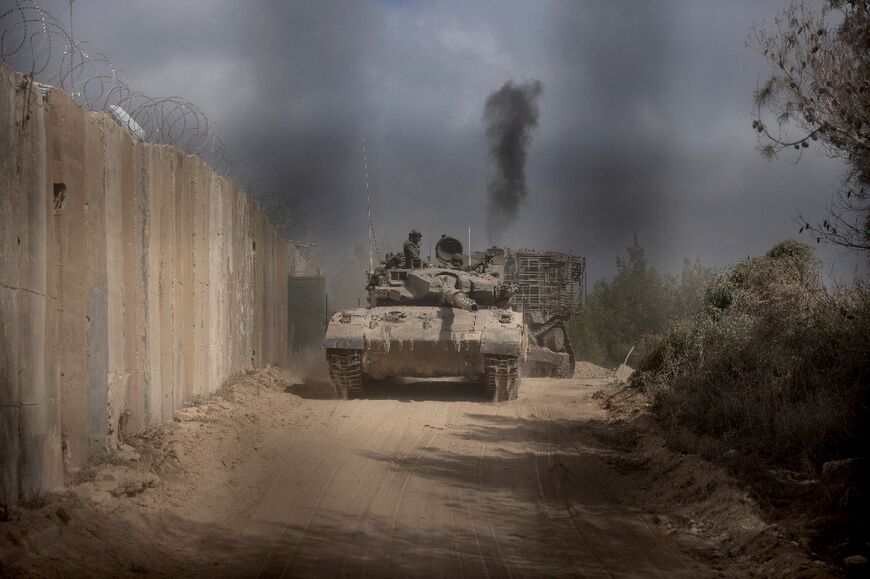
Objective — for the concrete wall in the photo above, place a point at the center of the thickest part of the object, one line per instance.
(132, 278)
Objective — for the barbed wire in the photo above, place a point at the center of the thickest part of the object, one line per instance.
(34, 42)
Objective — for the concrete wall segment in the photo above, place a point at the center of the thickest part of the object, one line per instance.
(9, 182)
(132, 278)
(9, 453)
(10, 249)
(117, 375)
(183, 287)
(9, 397)
(132, 273)
(67, 160)
(97, 316)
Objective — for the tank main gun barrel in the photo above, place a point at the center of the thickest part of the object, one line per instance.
(458, 299)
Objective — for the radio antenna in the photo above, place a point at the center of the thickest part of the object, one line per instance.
(373, 244)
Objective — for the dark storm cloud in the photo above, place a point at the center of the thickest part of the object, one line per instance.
(611, 160)
(510, 114)
(654, 136)
(283, 82)
(645, 124)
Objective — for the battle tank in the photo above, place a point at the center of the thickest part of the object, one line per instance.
(429, 321)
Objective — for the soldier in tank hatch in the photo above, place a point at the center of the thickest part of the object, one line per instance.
(411, 250)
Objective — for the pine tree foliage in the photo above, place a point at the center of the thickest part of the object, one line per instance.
(638, 302)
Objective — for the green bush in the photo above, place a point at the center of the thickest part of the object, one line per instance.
(773, 365)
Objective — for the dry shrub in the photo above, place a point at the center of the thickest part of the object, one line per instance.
(775, 366)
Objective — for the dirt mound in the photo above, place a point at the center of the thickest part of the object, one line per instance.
(697, 501)
(592, 371)
(163, 491)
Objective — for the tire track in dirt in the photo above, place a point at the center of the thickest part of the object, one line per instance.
(653, 555)
(421, 440)
(602, 491)
(468, 505)
(486, 505)
(362, 422)
(407, 477)
(553, 464)
(581, 565)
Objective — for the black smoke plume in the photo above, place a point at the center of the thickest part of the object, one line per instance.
(510, 114)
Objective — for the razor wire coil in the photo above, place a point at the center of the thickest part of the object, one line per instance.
(36, 43)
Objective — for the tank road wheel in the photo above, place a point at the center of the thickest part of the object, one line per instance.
(345, 370)
(502, 377)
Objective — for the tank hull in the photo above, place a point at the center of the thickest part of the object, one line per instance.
(427, 341)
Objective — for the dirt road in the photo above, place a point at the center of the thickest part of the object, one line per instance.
(417, 479)
(441, 487)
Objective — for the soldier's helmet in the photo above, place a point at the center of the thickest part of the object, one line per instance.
(415, 234)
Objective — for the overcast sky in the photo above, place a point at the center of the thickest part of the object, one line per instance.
(644, 126)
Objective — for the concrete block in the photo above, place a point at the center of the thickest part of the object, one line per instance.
(52, 468)
(116, 403)
(116, 346)
(10, 193)
(152, 346)
(74, 386)
(67, 181)
(31, 455)
(95, 401)
(50, 358)
(168, 341)
(95, 201)
(98, 369)
(201, 256)
(153, 335)
(66, 158)
(30, 347)
(10, 389)
(32, 201)
(182, 324)
(133, 271)
(216, 271)
(9, 452)
(72, 345)
(52, 222)
(53, 461)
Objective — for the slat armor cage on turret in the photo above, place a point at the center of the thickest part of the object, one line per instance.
(550, 283)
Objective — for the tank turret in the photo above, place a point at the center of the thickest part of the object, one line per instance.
(449, 284)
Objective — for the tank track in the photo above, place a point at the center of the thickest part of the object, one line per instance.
(345, 371)
(502, 377)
